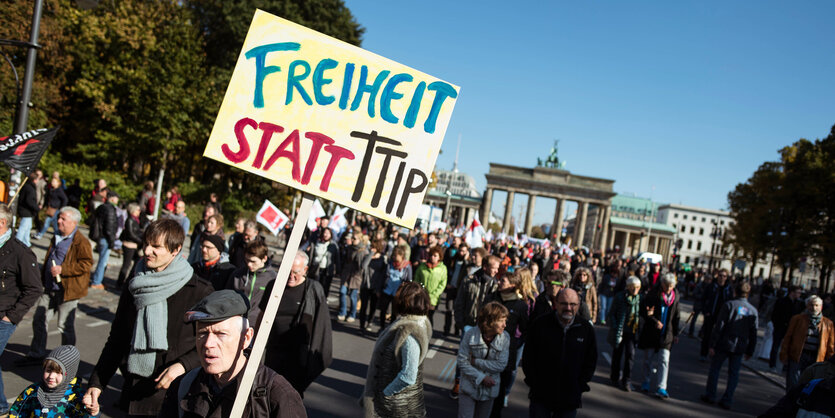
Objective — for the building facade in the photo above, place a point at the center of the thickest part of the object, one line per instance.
(700, 233)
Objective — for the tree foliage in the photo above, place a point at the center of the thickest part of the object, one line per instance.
(136, 85)
(788, 207)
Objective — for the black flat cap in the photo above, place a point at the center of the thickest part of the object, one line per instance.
(219, 305)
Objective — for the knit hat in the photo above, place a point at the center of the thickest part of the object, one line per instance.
(67, 357)
(216, 240)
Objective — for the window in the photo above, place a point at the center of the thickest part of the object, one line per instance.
(701, 231)
(696, 261)
(684, 217)
(687, 259)
(699, 246)
(683, 228)
(675, 215)
(690, 244)
(692, 229)
(703, 219)
(721, 222)
(674, 226)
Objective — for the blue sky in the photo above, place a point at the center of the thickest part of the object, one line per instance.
(688, 97)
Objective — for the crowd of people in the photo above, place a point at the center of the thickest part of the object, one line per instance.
(511, 305)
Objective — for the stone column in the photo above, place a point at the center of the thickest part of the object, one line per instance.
(508, 211)
(486, 201)
(580, 222)
(604, 233)
(529, 215)
(556, 227)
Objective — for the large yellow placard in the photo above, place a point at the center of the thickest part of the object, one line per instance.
(331, 119)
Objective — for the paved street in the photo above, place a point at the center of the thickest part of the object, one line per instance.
(336, 391)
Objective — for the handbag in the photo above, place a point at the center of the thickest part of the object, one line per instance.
(50, 211)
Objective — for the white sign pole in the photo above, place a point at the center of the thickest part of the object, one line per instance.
(272, 307)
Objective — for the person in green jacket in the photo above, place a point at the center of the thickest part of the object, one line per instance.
(432, 275)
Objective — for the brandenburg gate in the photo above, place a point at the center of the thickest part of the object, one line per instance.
(549, 180)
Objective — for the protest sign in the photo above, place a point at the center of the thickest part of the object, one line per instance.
(332, 120)
(271, 217)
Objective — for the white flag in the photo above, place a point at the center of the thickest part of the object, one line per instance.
(316, 212)
(338, 222)
(475, 234)
(271, 217)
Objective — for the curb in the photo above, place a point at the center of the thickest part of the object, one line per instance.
(776, 382)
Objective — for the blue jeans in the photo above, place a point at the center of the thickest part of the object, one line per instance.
(734, 364)
(23, 231)
(104, 256)
(52, 220)
(605, 304)
(6, 331)
(344, 293)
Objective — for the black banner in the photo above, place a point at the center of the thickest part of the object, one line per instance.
(24, 151)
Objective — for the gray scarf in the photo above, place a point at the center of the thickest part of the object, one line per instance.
(67, 356)
(150, 289)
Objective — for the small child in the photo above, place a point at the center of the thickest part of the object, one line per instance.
(59, 394)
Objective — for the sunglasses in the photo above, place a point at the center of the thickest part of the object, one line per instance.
(556, 283)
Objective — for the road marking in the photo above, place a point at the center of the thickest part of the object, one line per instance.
(448, 372)
(98, 323)
(439, 342)
(607, 357)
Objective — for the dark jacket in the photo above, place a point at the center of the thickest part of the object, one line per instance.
(715, 296)
(20, 280)
(784, 310)
(374, 272)
(237, 246)
(217, 274)
(139, 396)
(56, 198)
(618, 317)
(813, 399)
(651, 337)
(271, 396)
(132, 232)
(252, 285)
(559, 363)
(470, 297)
(735, 329)
(316, 353)
(27, 202)
(108, 224)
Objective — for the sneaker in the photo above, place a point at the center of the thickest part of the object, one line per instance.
(662, 394)
(349, 319)
(455, 389)
(368, 328)
(340, 317)
(706, 399)
(626, 387)
(645, 387)
(38, 236)
(724, 405)
(97, 286)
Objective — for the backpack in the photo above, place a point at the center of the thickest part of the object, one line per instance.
(259, 392)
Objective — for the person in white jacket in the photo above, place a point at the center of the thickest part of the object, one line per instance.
(482, 355)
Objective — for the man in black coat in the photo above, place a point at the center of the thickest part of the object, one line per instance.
(214, 265)
(21, 285)
(734, 335)
(27, 209)
(559, 359)
(784, 309)
(716, 294)
(104, 232)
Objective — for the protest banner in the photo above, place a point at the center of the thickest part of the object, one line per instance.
(271, 217)
(334, 121)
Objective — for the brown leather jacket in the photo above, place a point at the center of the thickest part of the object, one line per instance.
(795, 337)
(75, 270)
